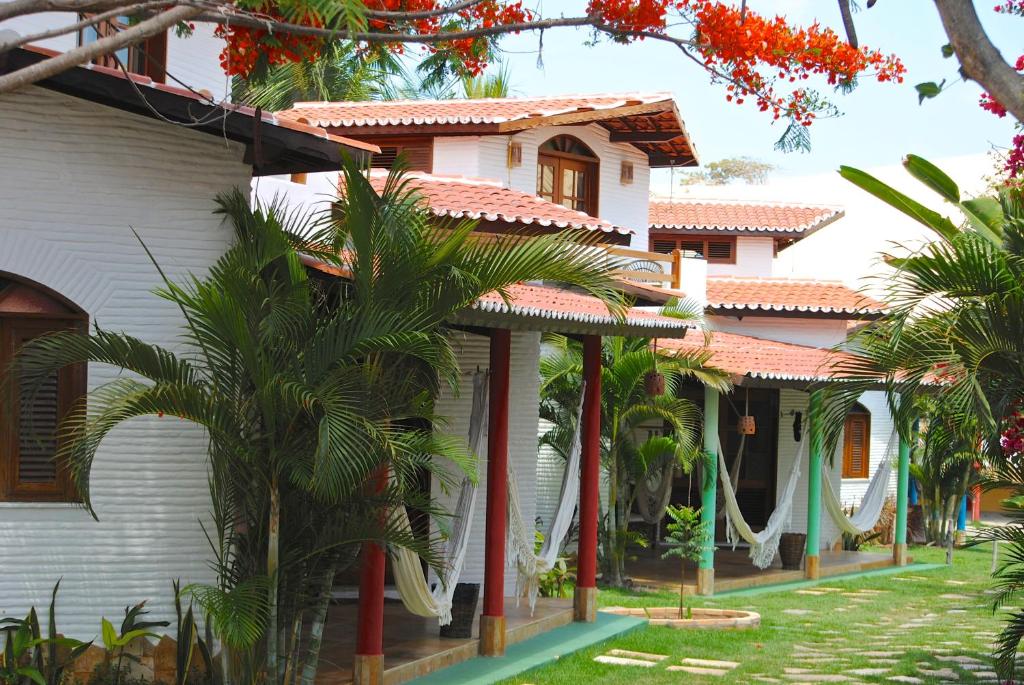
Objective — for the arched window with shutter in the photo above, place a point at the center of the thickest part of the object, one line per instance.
(857, 443)
(31, 416)
(567, 174)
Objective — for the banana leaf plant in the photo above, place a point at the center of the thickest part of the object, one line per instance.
(28, 657)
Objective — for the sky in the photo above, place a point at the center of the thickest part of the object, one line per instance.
(880, 122)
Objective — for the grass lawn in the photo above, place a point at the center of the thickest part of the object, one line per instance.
(931, 626)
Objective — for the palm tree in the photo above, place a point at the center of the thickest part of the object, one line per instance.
(307, 390)
(955, 330)
(626, 456)
(340, 72)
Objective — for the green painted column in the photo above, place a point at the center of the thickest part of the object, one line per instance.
(709, 486)
(899, 548)
(812, 568)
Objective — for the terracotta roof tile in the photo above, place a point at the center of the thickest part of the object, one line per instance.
(735, 217)
(729, 293)
(468, 198)
(459, 111)
(623, 114)
(746, 356)
(553, 302)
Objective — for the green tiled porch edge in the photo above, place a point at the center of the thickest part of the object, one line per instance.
(536, 651)
(800, 584)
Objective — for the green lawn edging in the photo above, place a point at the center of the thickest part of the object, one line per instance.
(537, 651)
(799, 584)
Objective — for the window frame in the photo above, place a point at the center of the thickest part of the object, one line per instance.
(679, 239)
(858, 414)
(71, 388)
(565, 161)
(151, 52)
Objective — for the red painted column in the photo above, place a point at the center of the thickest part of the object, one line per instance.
(369, 661)
(585, 598)
(492, 622)
(976, 503)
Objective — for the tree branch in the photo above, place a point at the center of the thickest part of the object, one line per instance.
(425, 14)
(17, 8)
(851, 30)
(90, 20)
(90, 51)
(981, 60)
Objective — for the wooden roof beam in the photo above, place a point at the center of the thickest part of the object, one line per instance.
(645, 136)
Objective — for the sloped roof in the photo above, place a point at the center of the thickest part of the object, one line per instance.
(648, 121)
(712, 216)
(574, 313)
(290, 146)
(732, 294)
(470, 198)
(744, 356)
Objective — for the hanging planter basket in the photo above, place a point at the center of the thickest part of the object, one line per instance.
(463, 611)
(746, 425)
(791, 550)
(654, 384)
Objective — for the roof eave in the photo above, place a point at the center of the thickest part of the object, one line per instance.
(522, 321)
(741, 311)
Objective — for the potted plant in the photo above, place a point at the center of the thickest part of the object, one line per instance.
(686, 538)
(463, 611)
(791, 550)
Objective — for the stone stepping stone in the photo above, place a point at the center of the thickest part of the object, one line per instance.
(973, 667)
(904, 679)
(623, 661)
(813, 593)
(956, 582)
(710, 663)
(958, 659)
(637, 655)
(868, 671)
(818, 677)
(765, 679)
(956, 611)
(699, 670)
(954, 596)
(878, 653)
(886, 662)
(797, 612)
(940, 673)
(789, 670)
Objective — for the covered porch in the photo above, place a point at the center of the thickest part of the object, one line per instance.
(733, 570)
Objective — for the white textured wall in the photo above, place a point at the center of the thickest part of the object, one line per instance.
(460, 156)
(883, 442)
(486, 157)
(77, 175)
(193, 60)
(473, 352)
(795, 400)
(755, 256)
(810, 332)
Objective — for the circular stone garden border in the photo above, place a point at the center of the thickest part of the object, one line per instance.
(720, 619)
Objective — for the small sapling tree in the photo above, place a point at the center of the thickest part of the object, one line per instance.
(686, 538)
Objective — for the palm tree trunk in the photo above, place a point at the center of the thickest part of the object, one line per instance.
(682, 584)
(611, 534)
(316, 630)
(273, 560)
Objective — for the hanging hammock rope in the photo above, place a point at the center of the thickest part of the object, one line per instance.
(412, 587)
(871, 504)
(520, 541)
(765, 544)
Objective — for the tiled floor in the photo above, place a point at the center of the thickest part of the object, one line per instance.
(412, 646)
(733, 569)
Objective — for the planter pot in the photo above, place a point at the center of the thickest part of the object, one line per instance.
(463, 611)
(654, 384)
(791, 550)
(709, 619)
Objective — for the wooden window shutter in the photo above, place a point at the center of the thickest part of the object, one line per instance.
(418, 154)
(663, 245)
(720, 251)
(856, 447)
(696, 246)
(626, 173)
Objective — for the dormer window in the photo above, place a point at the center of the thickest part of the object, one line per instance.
(567, 174)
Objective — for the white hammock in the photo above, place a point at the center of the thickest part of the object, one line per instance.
(520, 542)
(653, 495)
(416, 595)
(765, 544)
(871, 504)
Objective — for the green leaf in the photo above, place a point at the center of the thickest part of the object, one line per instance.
(986, 216)
(32, 674)
(928, 90)
(109, 634)
(894, 198)
(933, 177)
